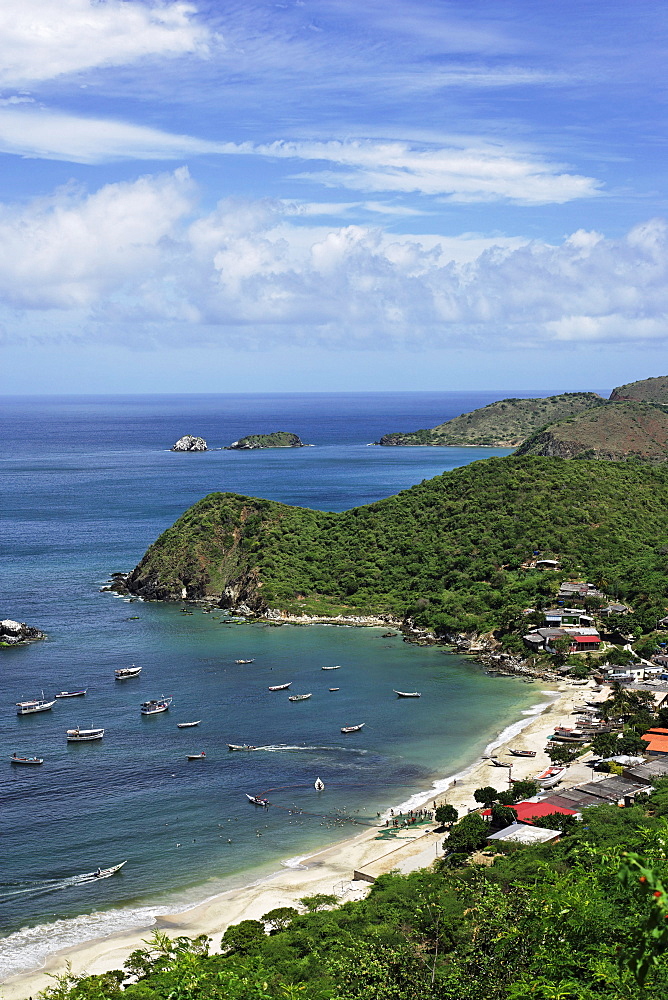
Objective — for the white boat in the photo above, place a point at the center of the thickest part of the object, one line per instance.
(550, 777)
(240, 746)
(155, 706)
(187, 725)
(300, 697)
(408, 694)
(353, 729)
(15, 759)
(337, 667)
(335, 689)
(196, 756)
(280, 687)
(84, 735)
(72, 694)
(319, 785)
(123, 673)
(257, 800)
(33, 706)
(245, 661)
(100, 873)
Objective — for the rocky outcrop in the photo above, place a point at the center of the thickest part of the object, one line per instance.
(14, 633)
(278, 439)
(189, 443)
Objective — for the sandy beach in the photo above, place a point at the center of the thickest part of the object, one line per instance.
(334, 869)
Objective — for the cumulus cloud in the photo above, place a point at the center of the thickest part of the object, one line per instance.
(44, 39)
(140, 253)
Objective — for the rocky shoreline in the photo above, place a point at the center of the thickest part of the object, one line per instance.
(18, 633)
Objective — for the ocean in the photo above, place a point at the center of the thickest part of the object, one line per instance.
(87, 484)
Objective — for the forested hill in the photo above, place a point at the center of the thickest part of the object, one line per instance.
(448, 550)
(504, 424)
(614, 432)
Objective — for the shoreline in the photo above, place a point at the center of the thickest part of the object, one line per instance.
(368, 854)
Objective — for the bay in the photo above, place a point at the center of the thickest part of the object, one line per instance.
(87, 484)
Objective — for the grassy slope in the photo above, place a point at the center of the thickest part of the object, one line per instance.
(451, 546)
(279, 439)
(649, 390)
(504, 424)
(622, 430)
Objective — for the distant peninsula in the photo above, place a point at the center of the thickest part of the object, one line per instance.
(279, 439)
(504, 424)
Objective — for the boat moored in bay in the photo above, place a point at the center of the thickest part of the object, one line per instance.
(84, 735)
(27, 761)
(408, 694)
(353, 729)
(280, 687)
(300, 697)
(124, 673)
(187, 725)
(72, 694)
(33, 706)
(155, 706)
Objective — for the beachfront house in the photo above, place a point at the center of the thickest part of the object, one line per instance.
(521, 833)
(581, 639)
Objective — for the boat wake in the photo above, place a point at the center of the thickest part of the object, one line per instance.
(51, 885)
(284, 747)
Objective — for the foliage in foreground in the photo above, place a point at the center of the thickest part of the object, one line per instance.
(584, 919)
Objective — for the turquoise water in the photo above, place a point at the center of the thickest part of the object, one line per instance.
(86, 485)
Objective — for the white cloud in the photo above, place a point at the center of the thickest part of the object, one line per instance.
(43, 134)
(137, 256)
(44, 39)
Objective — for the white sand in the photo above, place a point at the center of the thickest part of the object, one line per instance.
(328, 871)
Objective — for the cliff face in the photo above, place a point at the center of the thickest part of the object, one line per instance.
(613, 432)
(648, 390)
(504, 424)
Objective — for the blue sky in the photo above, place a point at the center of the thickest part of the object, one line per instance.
(324, 195)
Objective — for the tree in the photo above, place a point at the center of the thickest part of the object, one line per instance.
(524, 789)
(605, 744)
(243, 937)
(560, 754)
(503, 815)
(467, 835)
(280, 917)
(318, 901)
(446, 814)
(486, 795)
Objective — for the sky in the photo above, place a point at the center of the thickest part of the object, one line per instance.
(217, 196)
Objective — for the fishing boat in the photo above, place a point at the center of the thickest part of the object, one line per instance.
(319, 785)
(335, 689)
(155, 706)
(257, 800)
(196, 756)
(353, 729)
(84, 735)
(245, 661)
(29, 761)
(299, 697)
(187, 725)
(498, 763)
(408, 694)
(124, 673)
(550, 777)
(33, 706)
(100, 873)
(523, 753)
(337, 667)
(72, 694)
(280, 687)
(240, 746)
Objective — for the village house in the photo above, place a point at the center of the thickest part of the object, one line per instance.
(581, 639)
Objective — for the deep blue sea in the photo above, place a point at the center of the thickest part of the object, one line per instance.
(86, 484)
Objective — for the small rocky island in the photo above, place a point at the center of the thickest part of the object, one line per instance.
(14, 633)
(279, 439)
(189, 443)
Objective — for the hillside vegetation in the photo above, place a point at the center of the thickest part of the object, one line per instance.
(504, 424)
(447, 551)
(277, 439)
(647, 390)
(614, 431)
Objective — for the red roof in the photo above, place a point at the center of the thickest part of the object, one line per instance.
(526, 811)
(586, 638)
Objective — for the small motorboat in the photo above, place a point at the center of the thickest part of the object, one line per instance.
(408, 694)
(240, 746)
(337, 667)
(84, 735)
(245, 661)
(319, 785)
(550, 777)
(335, 689)
(280, 687)
(72, 694)
(187, 725)
(300, 697)
(523, 753)
(353, 729)
(100, 873)
(33, 706)
(27, 761)
(155, 706)
(124, 673)
(196, 756)
(257, 800)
